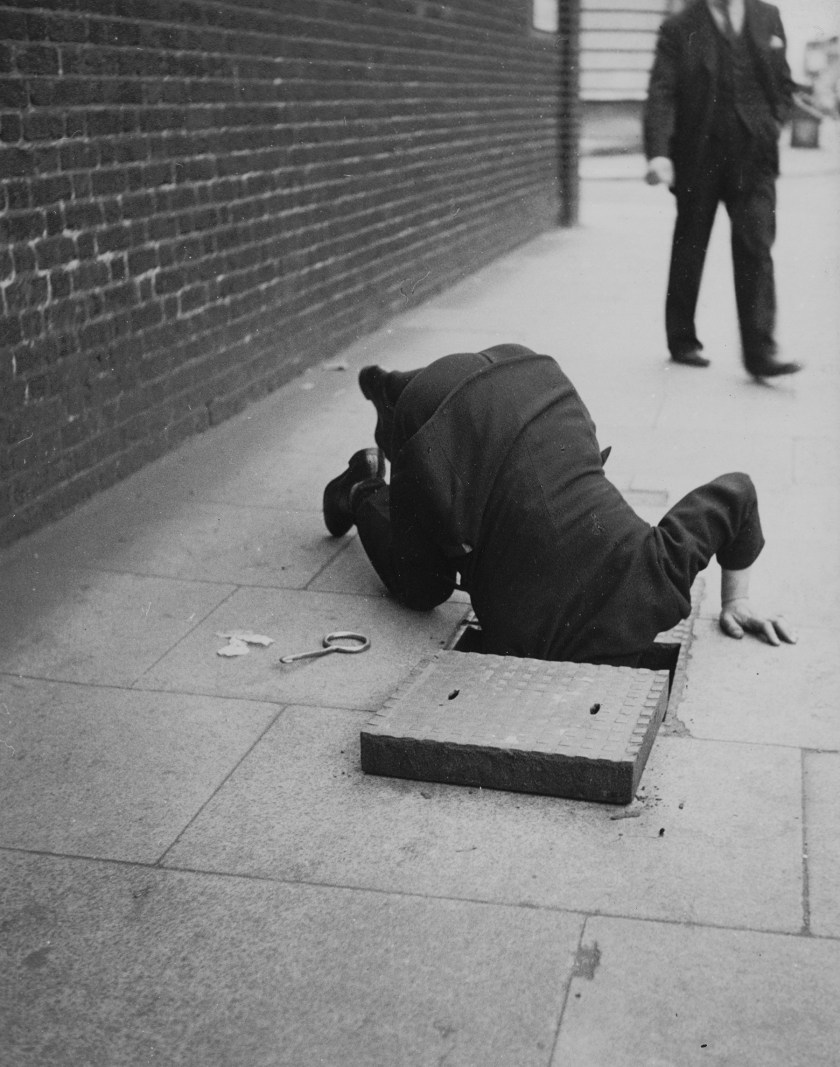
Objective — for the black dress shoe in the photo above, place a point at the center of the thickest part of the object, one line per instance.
(690, 358)
(771, 368)
(366, 463)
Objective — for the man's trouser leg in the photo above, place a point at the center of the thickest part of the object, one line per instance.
(717, 519)
(372, 514)
(692, 229)
(753, 215)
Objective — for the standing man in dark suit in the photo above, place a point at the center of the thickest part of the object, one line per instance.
(719, 91)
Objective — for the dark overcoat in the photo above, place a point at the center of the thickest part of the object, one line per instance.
(505, 481)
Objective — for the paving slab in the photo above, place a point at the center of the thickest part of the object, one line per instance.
(730, 854)
(806, 512)
(297, 621)
(675, 996)
(750, 692)
(751, 406)
(200, 541)
(76, 624)
(816, 460)
(105, 965)
(415, 338)
(106, 772)
(681, 468)
(822, 819)
(255, 474)
(798, 578)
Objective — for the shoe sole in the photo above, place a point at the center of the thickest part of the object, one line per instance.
(337, 524)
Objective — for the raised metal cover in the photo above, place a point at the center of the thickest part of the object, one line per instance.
(561, 729)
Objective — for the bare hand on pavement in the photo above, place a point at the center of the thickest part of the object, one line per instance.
(737, 617)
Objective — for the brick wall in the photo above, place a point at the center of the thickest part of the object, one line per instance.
(199, 199)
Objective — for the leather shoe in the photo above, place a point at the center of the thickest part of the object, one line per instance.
(366, 463)
(771, 368)
(690, 358)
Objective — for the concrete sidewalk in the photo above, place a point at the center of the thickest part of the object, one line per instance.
(194, 870)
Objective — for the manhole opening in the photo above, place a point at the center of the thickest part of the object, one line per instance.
(661, 656)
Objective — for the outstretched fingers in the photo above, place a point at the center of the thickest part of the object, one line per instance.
(773, 629)
(785, 630)
(766, 630)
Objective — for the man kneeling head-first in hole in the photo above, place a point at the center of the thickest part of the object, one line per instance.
(497, 476)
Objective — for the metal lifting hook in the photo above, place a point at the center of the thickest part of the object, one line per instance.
(333, 642)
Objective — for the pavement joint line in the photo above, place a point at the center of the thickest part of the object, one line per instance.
(163, 692)
(275, 718)
(169, 577)
(95, 569)
(184, 636)
(570, 977)
(156, 868)
(806, 875)
(245, 585)
(286, 509)
(362, 710)
(340, 550)
(366, 710)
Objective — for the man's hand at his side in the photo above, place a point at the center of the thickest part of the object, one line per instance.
(737, 617)
(660, 170)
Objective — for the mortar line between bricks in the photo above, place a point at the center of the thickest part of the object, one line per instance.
(806, 883)
(567, 991)
(159, 861)
(153, 866)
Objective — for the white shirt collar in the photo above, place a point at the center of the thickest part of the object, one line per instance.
(736, 14)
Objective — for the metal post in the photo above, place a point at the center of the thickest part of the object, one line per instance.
(569, 111)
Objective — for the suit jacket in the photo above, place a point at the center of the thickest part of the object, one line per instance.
(681, 93)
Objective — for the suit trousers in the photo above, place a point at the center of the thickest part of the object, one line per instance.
(733, 172)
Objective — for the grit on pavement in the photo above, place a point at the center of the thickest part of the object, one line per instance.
(193, 867)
